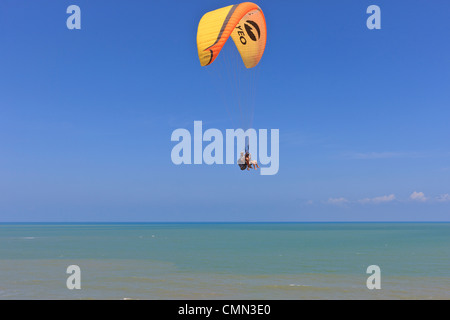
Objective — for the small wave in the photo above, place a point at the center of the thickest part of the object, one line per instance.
(298, 285)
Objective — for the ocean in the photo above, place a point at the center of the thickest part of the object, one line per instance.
(225, 260)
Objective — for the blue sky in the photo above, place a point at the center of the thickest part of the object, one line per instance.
(86, 115)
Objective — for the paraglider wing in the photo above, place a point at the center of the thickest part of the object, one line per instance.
(246, 25)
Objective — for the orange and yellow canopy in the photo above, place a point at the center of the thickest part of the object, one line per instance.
(246, 25)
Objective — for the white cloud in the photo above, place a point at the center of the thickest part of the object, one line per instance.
(415, 196)
(377, 200)
(418, 196)
(337, 201)
(443, 197)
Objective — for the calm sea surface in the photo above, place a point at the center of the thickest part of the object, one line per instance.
(225, 260)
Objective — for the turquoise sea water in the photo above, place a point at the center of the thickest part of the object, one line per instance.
(225, 260)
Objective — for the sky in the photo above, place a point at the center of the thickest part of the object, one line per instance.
(86, 116)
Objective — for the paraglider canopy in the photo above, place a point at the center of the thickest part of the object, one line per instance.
(246, 25)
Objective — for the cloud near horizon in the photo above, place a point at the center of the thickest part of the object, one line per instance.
(418, 196)
(377, 200)
(413, 197)
(443, 198)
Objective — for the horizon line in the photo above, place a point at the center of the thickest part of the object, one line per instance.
(206, 222)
